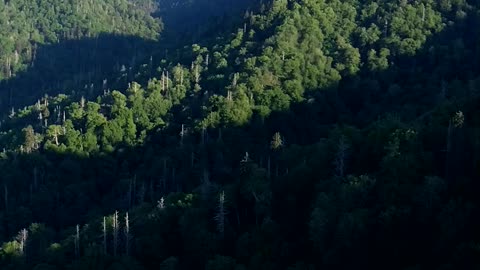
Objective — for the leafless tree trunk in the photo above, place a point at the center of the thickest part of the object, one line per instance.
(197, 74)
(22, 239)
(167, 79)
(161, 204)
(423, 13)
(163, 81)
(221, 214)
(77, 242)
(116, 227)
(104, 224)
(127, 235)
(182, 134)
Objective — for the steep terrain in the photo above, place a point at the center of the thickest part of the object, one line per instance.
(51, 47)
(318, 134)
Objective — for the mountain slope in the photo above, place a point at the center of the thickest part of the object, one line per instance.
(193, 20)
(320, 134)
(37, 39)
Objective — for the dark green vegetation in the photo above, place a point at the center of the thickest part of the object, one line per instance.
(56, 46)
(319, 134)
(195, 19)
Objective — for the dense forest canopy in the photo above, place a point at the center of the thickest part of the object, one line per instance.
(40, 42)
(192, 20)
(25, 25)
(313, 134)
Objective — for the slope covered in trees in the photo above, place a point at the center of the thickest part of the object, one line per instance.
(320, 134)
(38, 38)
(193, 20)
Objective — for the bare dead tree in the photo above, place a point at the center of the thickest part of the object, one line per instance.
(127, 234)
(183, 132)
(104, 229)
(423, 13)
(221, 214)
(82, 102)
(163, 81)
(22, 239)
(161, 204)
(197, 75)
(77, 242)
(116, 228)
(167, 80)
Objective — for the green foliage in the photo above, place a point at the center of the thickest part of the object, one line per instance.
(341, 134)
(26, 24)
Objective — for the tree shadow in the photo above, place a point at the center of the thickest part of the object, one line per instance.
(188, 22)
(80, 67)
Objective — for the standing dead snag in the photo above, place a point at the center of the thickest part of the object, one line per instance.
(163, 81)
(161, 204)
(197, 75)
(183, 132)
(277, 141)
(276, 144)
(115, 227)
(221, 214)
(127, 235)
(77, 242)
(104, 229)
(167, 80)
(22, 239)
(246, 158)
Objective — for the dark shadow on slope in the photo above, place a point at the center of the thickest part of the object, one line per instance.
(84, 67)
(188, 22)
(450, 56)
(96, 185)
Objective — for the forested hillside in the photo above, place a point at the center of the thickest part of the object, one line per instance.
(51, 46)
(319, 134)
(194, 20)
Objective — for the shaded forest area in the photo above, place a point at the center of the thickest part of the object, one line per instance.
(190, 21)
(320, 134)
(87, 67)
(52, 47)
